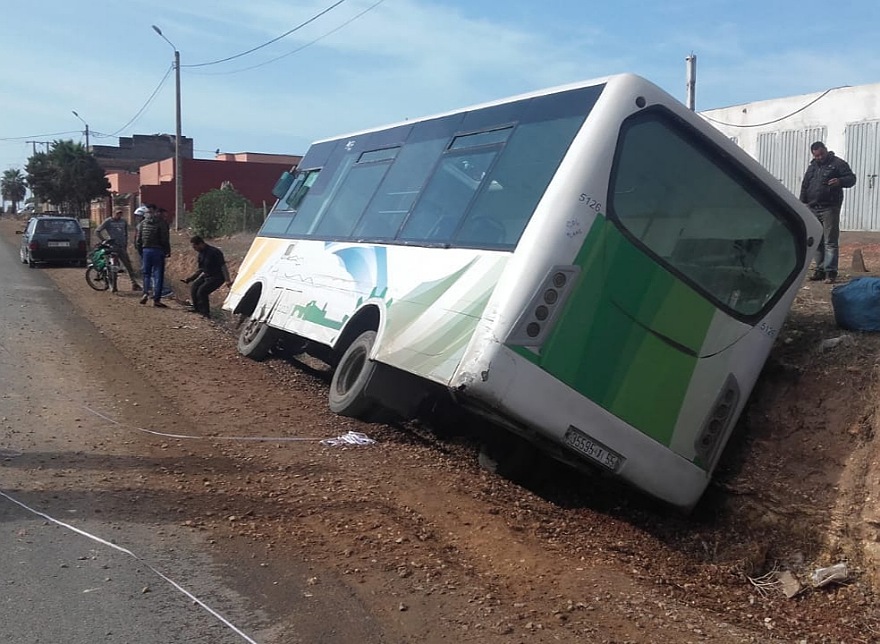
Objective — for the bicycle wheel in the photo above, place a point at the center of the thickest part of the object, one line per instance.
(97, 279)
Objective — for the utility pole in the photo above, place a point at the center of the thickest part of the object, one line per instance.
(178, 169)
(87, 128)
(36, 143)
(691, 81)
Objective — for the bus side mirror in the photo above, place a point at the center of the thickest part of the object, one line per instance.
(282, 185)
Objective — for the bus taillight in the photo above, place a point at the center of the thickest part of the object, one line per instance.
(538, 317)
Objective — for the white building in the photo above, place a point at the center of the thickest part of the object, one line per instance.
(778, 133)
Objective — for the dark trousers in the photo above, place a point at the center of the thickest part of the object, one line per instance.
(126, 262)
(154, 271)
(826, 252)
(201, 289)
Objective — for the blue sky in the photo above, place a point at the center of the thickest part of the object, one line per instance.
(399, 59)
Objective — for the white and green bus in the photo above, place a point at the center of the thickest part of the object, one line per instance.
(592, 267)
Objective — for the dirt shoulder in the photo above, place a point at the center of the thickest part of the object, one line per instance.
(436, 550)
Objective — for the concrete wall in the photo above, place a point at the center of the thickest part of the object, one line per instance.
(123, 182)
(253, 180)
(258, 157)
(140, 149)
(778, 133)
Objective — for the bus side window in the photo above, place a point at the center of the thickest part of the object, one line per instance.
(399, 190)
(530, 158)
(447, 196)
(350, 200)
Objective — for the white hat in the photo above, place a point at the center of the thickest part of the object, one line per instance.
(141, 211)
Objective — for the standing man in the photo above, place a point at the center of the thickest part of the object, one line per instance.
(211, 274)
(116, 228)
(822, 191)
(152, 241)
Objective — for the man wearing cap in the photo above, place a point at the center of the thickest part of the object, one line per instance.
(116, 229)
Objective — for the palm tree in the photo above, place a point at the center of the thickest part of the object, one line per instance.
(13, 187)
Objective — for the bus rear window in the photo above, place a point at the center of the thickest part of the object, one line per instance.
(705, 221)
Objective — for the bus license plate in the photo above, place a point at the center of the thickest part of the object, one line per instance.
(58, 244)
(592, 449)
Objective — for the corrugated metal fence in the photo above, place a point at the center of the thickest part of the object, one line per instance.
(861, 206)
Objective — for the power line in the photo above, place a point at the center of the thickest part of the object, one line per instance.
(38, 136)
(298, 49)
(266, 44)
(781, 118)
(29, 138)
(146, 104)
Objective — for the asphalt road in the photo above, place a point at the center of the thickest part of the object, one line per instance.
(74, 568)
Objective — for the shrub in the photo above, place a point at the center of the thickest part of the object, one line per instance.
(224, 212)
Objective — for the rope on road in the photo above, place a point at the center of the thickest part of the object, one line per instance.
(131, 554)
(349, 438)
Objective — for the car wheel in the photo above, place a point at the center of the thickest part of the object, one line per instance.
(256, 339)
(351, 377)
(30, 261)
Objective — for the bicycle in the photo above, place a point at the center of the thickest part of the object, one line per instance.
(104, 267)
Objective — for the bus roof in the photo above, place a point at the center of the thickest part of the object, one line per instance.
(541, 92)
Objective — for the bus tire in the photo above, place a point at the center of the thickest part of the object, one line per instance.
(351, 377)
(256, 339)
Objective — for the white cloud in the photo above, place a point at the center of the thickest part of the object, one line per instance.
(403, 59)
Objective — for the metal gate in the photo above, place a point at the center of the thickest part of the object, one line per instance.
(861, 203)
(787, 154)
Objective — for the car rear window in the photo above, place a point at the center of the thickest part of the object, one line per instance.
(58, 227)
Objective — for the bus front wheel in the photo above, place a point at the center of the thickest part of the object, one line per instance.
(256, 339)
(351, 377)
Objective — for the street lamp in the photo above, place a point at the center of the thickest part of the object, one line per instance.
(87, 128)
(178, 170)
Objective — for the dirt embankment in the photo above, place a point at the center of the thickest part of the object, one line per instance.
(438, 550)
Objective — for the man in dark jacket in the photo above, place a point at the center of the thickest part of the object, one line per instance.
(152, 241)
(211, 274)
(822, 190)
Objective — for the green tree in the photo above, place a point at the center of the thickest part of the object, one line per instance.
(13, 187)
(68, 176)
(223, 212)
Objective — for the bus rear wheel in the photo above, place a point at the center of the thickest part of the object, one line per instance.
(351, 377)
(256, 339)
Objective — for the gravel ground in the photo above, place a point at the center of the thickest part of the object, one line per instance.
(435, 549)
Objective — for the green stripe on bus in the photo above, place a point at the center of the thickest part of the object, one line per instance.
(629, 336)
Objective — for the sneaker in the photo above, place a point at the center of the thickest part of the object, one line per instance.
(144, 299)
(159, 305)
(136, 287)
(830, 279)
(817, 276)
